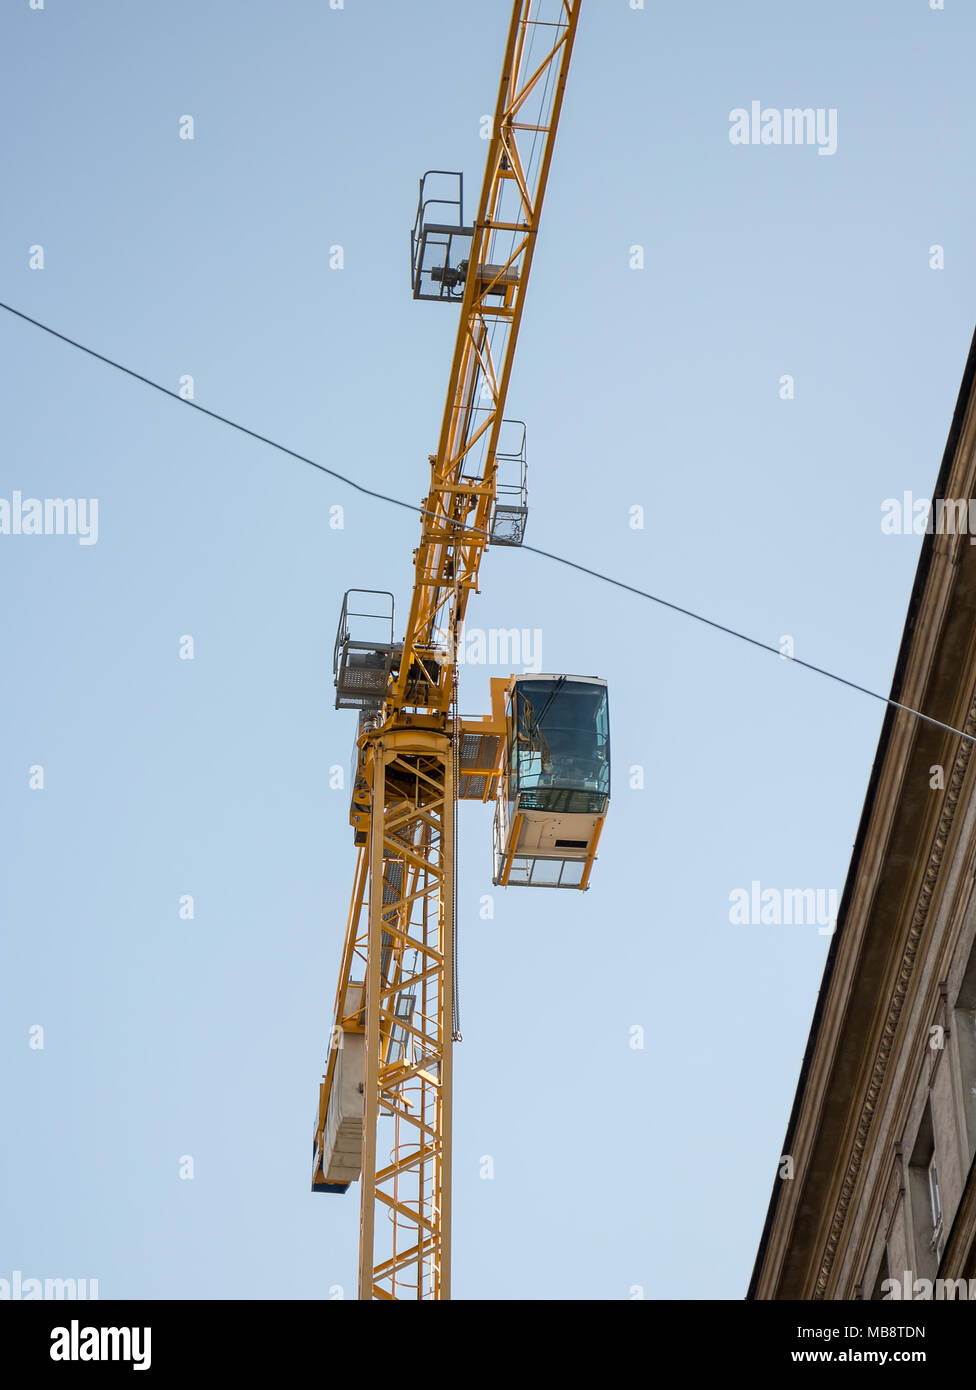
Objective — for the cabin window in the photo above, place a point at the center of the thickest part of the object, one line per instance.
(562, 746)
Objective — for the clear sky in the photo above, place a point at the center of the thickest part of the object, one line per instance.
(615, 1167)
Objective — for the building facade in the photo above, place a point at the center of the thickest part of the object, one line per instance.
(876, 1189)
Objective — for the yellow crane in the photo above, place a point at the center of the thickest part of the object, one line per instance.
(542, 755)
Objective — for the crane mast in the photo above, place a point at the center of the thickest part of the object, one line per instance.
(384, 1110)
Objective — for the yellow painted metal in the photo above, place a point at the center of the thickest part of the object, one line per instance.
(399, 936)
(487, 739)
(501, 694)
(509, 857)
(591, 852)
(459, 503)
(406, 1189)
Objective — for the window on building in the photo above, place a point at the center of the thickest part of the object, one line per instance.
(926, 1201)
(935, 1210)
(964, 1027)
(935, 1199)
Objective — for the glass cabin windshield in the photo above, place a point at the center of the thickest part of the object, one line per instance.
(562, 745)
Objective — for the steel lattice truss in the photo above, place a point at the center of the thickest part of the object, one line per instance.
(395, 984)
(462, 491)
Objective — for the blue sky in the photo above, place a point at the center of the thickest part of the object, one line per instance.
(615, 1168)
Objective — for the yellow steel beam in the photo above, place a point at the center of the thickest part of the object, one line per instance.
(447, 562)
(399, 938)
(406, 1183)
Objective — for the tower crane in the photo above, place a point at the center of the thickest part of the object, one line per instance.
(542, 754)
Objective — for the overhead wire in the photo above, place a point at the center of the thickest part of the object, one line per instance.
(472, 532)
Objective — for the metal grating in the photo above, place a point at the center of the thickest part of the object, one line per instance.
(472, 788)
(479, 751)
(508, 525)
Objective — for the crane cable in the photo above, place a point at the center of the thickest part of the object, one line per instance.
(455, 848)
(480, 535)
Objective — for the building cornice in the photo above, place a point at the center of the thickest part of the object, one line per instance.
(896, 1002)
(896, 878)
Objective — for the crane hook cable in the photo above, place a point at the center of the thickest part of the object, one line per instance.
(531, 549)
